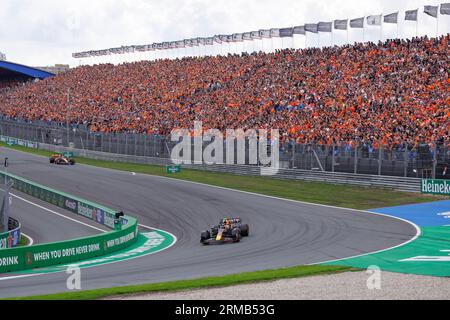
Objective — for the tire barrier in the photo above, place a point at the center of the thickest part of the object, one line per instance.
(124, 232)
(11, 239)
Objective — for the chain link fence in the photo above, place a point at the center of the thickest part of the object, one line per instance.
(419, 161)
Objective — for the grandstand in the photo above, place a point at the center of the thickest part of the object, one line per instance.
(13, 74)
(388, 93)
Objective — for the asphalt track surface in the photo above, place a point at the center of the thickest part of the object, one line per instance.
(283, 233)
(46, 223)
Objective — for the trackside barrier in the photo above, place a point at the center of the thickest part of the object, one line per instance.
(11, 239)
(405, 184)
(19, 142)
(67, 252)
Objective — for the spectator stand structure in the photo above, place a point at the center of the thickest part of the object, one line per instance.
(13, 74)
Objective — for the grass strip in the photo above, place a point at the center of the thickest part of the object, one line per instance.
(211, 282)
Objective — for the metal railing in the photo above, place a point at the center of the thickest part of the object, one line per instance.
(407, 161)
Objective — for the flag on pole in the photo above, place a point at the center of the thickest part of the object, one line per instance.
(275, 33)
(311, 27)
(247, 36)
(238, 37)
(138, 48)
(374, 20)
(195, 42)
(431, 11)
(341, 24)
(445, 8)
(411, 15)
(299, 30)
(325, 26)
(264, 34)
(255, 35)
(286, 32)
(357, 23)
(391, 18)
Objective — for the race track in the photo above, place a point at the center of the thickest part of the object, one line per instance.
(46, 223)
(284, 233)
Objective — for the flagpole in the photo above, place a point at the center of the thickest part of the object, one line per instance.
(417, 23)
(364, 30)
(381, 28)
(437, 23)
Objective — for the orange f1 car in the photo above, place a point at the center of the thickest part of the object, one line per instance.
(62, 159)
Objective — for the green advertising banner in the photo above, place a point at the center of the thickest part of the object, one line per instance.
(436, 187)
(124, 234)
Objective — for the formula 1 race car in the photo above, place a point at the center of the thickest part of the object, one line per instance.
(61, 159)
(228, 231)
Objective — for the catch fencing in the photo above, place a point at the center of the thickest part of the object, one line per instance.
(420, 161)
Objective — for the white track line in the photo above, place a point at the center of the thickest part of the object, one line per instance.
(418, 234)
(56, 213)
(418, 229)
(30, 240)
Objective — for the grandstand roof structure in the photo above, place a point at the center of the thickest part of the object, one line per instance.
(14, 70)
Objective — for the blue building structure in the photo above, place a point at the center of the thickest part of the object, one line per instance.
(13, 71)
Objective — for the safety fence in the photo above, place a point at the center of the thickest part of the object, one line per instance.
(394, 183)
(405, 184)
(424, 160)
(11, 239)
(124, 232)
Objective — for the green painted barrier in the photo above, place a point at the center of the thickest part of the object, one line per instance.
(10, 239)
(24, 143)
(436, 187)
(123, 235)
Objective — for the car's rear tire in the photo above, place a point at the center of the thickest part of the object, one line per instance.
(205, 237)
(72, 162)
(52, 161)
(236, 234)
(245, 230)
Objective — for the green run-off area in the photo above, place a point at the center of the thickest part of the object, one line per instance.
(429, 254)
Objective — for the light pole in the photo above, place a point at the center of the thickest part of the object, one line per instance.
(68, 118)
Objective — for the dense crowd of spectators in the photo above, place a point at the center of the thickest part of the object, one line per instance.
(390, 93)
(6, 85)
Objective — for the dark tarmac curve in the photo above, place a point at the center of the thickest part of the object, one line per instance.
(283, 233)
(44, 226)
